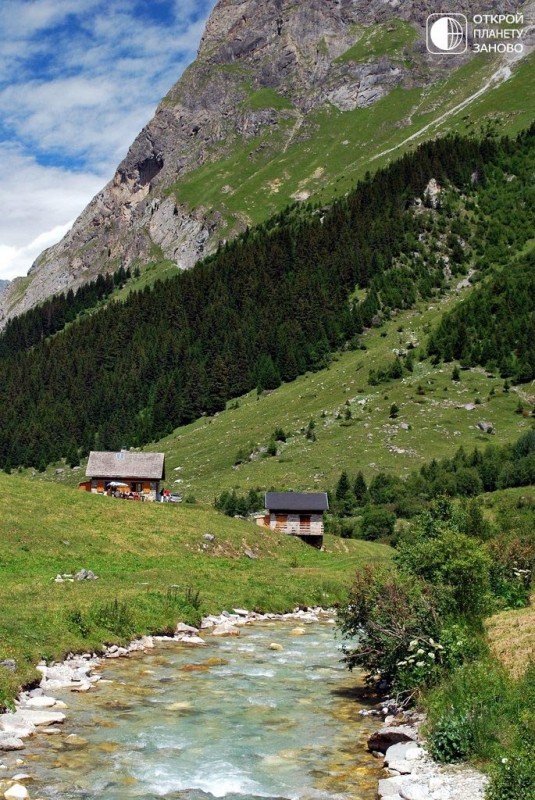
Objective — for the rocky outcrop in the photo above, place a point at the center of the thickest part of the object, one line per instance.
(249, 46)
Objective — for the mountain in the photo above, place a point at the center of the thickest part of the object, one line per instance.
(284, 101)
(3, 285)
(281, 300)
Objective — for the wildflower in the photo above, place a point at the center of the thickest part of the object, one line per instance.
(420, 652)
(413, 644)
(505, 760)
(401, 664)
(431, 655)
(420, 663)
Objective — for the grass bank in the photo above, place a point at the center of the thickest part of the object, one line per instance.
(154, 567)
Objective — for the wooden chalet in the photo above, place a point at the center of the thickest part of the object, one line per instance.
(140, 473)
(297, 513)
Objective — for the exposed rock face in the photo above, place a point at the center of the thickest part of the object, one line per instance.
(248, 45)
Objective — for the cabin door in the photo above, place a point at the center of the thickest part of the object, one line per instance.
(304, 523)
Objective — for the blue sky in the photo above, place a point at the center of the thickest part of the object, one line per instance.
(78, 81)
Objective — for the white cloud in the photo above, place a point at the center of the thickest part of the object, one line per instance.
(78, 81)
(38, 205)
(14, 260)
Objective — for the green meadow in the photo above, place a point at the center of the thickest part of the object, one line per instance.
(153, 565)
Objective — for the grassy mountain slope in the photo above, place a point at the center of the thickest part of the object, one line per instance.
(200, 457)
(150, 557)
(322, 156)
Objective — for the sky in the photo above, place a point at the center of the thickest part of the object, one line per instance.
(78, 80)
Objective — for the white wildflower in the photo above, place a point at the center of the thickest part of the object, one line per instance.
(431, 655)
(420, 663)
(420, 652)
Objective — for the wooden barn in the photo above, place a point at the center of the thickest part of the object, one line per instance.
(140, 473)
(297, 513)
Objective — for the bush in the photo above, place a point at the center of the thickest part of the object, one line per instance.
(458, 566)
(377, 523)
(513, 778)
(450, 739)
(385, 613)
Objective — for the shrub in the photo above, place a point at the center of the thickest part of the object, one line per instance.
(455, 564)
(384, 613)
(513, 778)
(450, 739)
(377, 523)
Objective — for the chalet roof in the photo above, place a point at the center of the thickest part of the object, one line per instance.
(297, 501)
(125, 464)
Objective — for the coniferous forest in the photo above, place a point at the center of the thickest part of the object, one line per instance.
(275, 303)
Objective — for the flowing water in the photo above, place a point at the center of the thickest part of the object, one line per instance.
(235, 719)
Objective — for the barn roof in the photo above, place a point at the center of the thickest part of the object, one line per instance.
(297, 501)
(126, 464)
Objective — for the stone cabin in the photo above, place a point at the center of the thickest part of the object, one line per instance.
(297, 513)
(139, 472)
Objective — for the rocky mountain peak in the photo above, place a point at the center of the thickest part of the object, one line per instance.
(264, 68)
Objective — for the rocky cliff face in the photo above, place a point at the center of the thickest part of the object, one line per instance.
(262, 65)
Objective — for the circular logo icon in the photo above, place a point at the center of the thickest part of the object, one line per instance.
(446, 33)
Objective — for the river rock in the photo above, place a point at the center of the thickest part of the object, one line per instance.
(415, 791)
(11, 724)
(193, 641)
(75, 742)
(275, 646)
(9, 742)
(16, 792)
(40, 702)
(183, 628)
(390, 787)
(403, 751)
(225, 629)
(297, 632)
(38, 717)
(382, 739)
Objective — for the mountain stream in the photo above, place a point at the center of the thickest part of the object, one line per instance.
(234, 719)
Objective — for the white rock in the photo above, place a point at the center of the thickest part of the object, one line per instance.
(415, 791)
(38, 717)
(275, 646)
(9, 742)
(193, 641)
(225, 629)
(16, 792)
(40, 702)
(390, 787)
(401, 767)
(403, 751)
(183, 628)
